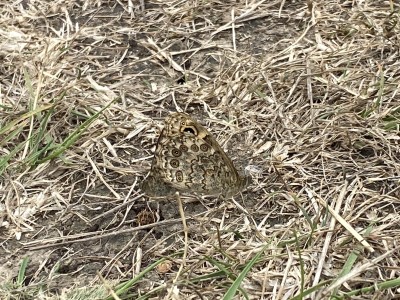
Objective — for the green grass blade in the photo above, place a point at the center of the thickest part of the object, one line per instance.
(74, 136)
(21, 271)
(231, 292)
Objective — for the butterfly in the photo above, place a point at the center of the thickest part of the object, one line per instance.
(187, 158)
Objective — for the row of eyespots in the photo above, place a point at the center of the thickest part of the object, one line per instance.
(193, 147)
(182, 148)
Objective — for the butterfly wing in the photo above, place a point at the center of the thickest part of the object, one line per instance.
(158, 182)
(188, 158)
(154, 186)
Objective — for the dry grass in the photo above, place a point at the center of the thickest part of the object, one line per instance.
(303, 95)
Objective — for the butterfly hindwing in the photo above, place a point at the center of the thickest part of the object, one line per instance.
(188, 159)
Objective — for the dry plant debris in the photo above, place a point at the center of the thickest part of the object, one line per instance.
(302, 94)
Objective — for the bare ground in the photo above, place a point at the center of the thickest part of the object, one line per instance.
(302, 95)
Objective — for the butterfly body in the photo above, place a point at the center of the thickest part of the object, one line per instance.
(188, 159)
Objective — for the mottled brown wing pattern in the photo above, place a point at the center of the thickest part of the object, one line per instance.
(188, 159)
